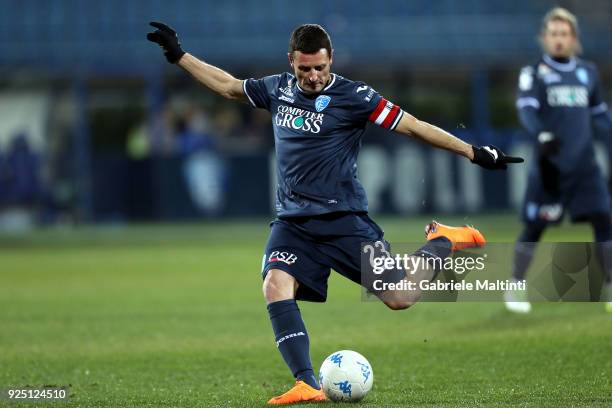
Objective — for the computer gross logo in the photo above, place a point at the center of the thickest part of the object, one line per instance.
(298, 119)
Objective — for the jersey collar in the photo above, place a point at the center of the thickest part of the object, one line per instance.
(564, 67)
(331, 83)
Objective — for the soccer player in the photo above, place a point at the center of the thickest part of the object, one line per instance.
(559, 98)
(318, 119)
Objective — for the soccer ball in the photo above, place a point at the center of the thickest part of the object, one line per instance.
(346, 376)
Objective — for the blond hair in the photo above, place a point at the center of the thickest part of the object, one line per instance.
(562, 14)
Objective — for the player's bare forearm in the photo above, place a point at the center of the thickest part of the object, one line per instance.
(433, 135)
(213, 78)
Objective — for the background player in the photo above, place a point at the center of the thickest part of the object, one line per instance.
(318, 119)
(559, 98)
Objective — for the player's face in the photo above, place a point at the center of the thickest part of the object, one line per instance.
(558, 39)
(311, 70)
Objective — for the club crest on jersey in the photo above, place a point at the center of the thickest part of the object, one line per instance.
(321, 102)
(582, 75)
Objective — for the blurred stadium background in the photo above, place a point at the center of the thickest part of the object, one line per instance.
(96, 127)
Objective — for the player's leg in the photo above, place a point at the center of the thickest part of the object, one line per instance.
(524, 249)
(291, 336)
(285, 280)
(278, 285)
(591, 202)
(347, 240)
(541, 207)
(441, 241)
(602, 229)
(290, 333)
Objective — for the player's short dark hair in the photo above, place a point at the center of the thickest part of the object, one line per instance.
(309, 39)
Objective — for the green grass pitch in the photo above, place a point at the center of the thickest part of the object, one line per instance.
(149, 316)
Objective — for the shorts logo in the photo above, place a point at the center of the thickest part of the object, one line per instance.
(552, 212)
(321, 102)
(544, 212)
(279, 256)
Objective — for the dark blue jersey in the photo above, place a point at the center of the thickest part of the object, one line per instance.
(317, 140)
(565, 96)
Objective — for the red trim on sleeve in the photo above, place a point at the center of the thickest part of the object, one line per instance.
(390, 117)
(379, 108)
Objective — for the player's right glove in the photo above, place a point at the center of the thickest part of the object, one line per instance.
(548, 144)
(166, 38)
(492, 158)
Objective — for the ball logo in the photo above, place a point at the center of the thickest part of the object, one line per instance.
(365, 371)
(336, 358)
(321, 102)
(280, 256)
(345, 387)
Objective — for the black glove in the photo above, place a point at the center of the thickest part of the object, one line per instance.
(548, 144)
(492, 158)
(167, 39)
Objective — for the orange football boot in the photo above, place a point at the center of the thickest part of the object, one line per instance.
(460, 237)
(301, 392)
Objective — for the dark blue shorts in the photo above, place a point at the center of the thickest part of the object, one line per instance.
(308, 248)
(550, 195)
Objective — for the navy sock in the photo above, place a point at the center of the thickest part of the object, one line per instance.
(435, 250)
(525, 248)
(603, 236)
(292, 339)
(523, 254)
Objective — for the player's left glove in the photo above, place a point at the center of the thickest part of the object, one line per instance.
(166, 38)
(492, 158)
